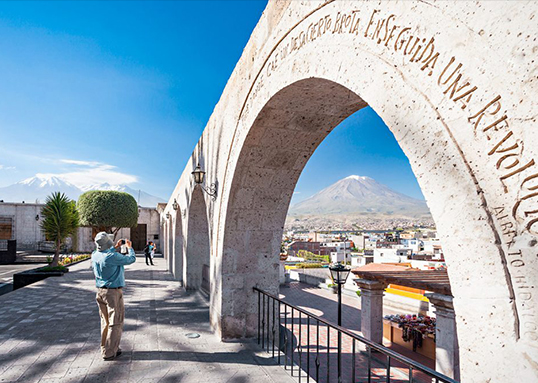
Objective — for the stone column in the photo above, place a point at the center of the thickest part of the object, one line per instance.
(446, 339)
(371, 309)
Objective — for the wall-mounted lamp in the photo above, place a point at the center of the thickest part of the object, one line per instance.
(198, 175)
(37, 217)
(168, 215)
(175, 205)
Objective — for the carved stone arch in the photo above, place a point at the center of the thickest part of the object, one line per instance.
(178, 255)
(197, 254)
(170, 242)
(460, 96)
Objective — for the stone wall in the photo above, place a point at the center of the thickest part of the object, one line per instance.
(26, 229)
(456, 82)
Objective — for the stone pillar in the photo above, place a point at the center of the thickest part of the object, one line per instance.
(371, 309)
(446, 338)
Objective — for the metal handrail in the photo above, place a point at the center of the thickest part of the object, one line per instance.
(372, 345)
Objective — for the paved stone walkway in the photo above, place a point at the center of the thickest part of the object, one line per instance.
(49, 332)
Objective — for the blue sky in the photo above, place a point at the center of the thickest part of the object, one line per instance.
(120, 92)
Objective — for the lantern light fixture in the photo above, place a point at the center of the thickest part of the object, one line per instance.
(339, 273)
(168, 215)
(175, 205)
(37, 217)
(198, 174)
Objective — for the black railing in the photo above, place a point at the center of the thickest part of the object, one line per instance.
(281, 330)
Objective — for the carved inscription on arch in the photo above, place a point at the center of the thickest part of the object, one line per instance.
(489, 122)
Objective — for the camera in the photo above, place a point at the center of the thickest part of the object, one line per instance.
(123, 241)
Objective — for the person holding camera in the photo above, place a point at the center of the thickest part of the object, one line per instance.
(108, 267)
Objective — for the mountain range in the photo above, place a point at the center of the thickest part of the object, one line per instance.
(37, 188)
(356, 200)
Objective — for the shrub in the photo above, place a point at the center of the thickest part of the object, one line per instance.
(107, 210)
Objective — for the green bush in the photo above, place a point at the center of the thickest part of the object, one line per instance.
(309, 256)
(107, 210)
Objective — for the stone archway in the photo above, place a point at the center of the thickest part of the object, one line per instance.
(197, 255)
(170, 242)
(466, 126)
(177, 258)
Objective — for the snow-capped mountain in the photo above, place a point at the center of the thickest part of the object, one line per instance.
(37, 188)
(363, 195)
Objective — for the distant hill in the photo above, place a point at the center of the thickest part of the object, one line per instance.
(36, 189)
(360, 196)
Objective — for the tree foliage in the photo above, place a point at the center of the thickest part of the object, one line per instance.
(60, 220)
(107, 210)
(309, 256)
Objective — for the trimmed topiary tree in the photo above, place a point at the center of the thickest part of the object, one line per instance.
(107, 210)
(60, 220)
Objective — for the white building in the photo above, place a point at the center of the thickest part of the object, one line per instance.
(21, 222)
(392, 255)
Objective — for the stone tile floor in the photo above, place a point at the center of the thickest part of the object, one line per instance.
(49, 332)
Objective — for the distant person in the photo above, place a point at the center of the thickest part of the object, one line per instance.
(147, 252)
(153, 250)
(108, 263)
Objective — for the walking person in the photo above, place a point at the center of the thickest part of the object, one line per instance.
(147, 253)
(153, 250)
(108, 266)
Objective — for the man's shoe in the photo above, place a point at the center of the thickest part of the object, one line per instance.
(118, 353)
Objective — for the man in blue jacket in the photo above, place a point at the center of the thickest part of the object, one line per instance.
(108, 263)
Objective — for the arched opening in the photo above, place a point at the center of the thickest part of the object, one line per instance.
(170, 243)
(280, 141)
(197, 256)
(177, 262)
(284, 135)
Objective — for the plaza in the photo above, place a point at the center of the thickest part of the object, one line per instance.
(455, 83)
(49, 332)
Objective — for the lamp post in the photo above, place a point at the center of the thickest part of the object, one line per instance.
(339, 274)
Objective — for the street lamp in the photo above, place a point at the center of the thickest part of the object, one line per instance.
(339, 274)
(198, 175)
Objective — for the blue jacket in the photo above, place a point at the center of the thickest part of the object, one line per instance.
(108, 267)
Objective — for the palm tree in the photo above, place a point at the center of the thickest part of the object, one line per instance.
(60, 221)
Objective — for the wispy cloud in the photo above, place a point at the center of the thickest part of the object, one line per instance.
(81, 163)
(86, 173)
(3, 167)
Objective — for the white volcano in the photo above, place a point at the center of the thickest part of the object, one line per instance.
(37, 188)
(360, 195)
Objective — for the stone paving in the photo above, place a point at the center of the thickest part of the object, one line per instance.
(49, 333)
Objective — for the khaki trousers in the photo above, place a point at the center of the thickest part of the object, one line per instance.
(112, 312)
